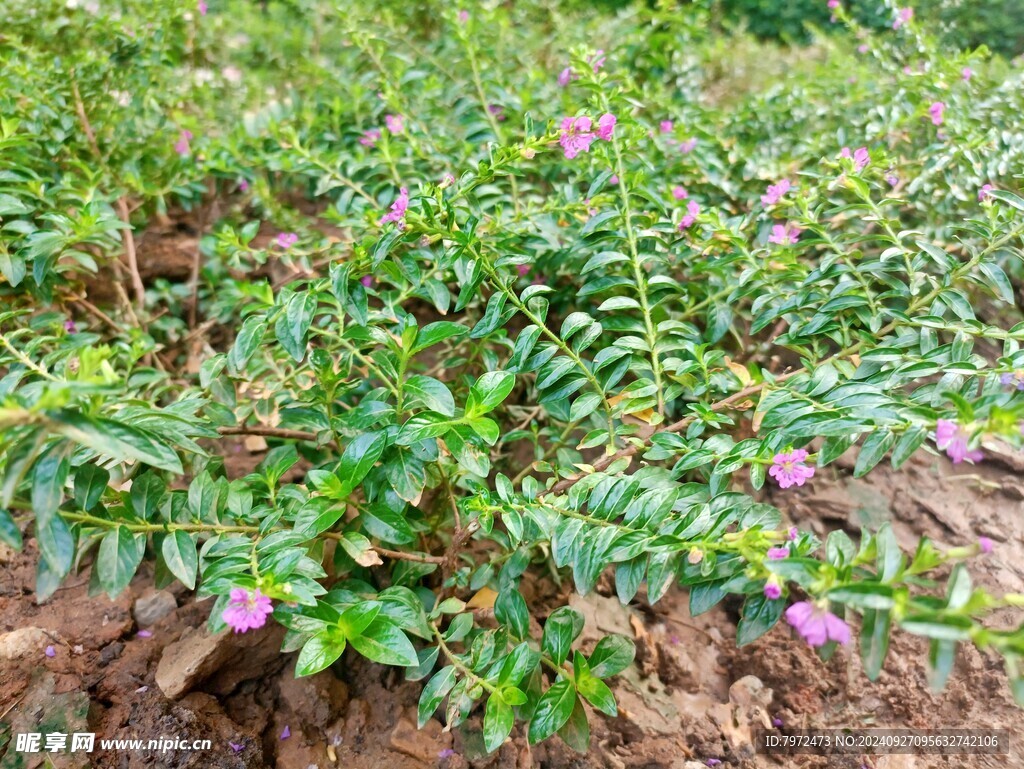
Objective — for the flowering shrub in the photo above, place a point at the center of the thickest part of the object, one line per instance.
(573, 314)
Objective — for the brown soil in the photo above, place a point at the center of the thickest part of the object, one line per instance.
(692, 695)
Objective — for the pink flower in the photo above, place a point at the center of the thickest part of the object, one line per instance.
(903, 16)
(566, 76)
(665, 126)
(50, 652)
(243, 185)
(935, 112)
(692, 212)
(775, 193)
(247, 611)
(984, 191)
(576, 135)
(679, 192)
(793, 533)
(446, 753)
(395, 123)
(686, 147)
(287, 239)
(70, 327)
(817, 625)
(777, 553)
(398, 209)
(144, 634)
(605, 126)
(370, 137)
(772, 591)
(597, 60)
(613, 179)
(497, 110)
(182, 145)
(463, 16)
(892, 179)
(366, 280)
(863, 48)
(953, 439)
(860, 157)
(203, 7)
(833, 4)
(789, 468)
(985, 545)
(967, 73)
(785, 234)
(523, 270)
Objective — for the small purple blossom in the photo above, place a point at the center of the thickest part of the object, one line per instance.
(366, 280)
(243, 185)
(713, 762)
(817, 625)
(236, 747)
(903, 16)
(70, 327)
(1014, 380)
(775, 192)
(666, 126)
(985, 545)
(785, 234)
(445, 754)
(613, 179)
(863, 48)
(370, 137)
(497, 110)
(286, 732)
(953, 439)
(247, 610)
(984, 191)
(597, 60)
(576, 136)
(793, 533)
(463, 16)
(394, 123)
(686, 147)
(777, 722)
(772, 591)
(692, 212)
(892, 179)
(860, 157)
(182, 146)
(50, 651)
(523, 270)
(566, 76)
(777, 553)
(679, 192)
(203, 7)
(789, 468)
(935, 111)
(144, 634)
(967, 73)
(286, 240)
(605, 126)
(833, 5)
(398, 209)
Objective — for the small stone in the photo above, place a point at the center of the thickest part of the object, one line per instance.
(153, 606)
(423, 745)
(24, 642)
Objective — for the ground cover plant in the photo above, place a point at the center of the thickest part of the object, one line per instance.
(503, 290)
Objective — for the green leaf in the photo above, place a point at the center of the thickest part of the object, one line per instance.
(759, 616)
(511, 611)
(10, 534)
(875, 447)
(179, 552)
(435, 333)
(576, 731)
(890, 557)
(147, 492)
(358, 459)
(382, 641)
(90, 483)
(318, 653)
(437, 689)
(431, 393)
(488, 391)
(498, 722)
(553, 710)
(116, 440)
(561, 629)
(293, 324)
(597, 693)
(611, 655)
(120, 554)
(874, 641)
(249, 338)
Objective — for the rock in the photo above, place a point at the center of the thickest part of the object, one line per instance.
(315, 700)
(24, 642)
(225, 659)
(153, 606)
(422, 744)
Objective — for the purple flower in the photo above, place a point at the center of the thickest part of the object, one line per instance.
(935, 112)
(286, 240)
(566, 76)
(789, 468)
(860, 157)
(605, 126)
(182, 146)
(985, 545)
(984, 191)
(777, 553)
(713, 762)
(497, 110)
(286, 732)
(243, 185)
(247, 611)
(236, 747)
(203, 7)
(833, 5)
(665, 126)
(144, 634)
(772, 591)
(785, 234)
(892, 179)
(1013, 380)
(366, 280)
(967, 73)
(775, 192)
(903, 16)
(398, 209)
(679, 192)
(70, 327)
(576, 135)
(446, 753)
(394, 123)
(793, 533)
(686, 147)
(863, 48)
(463, 16)
(817, 625)
(597, 60)
(777, 722)
(692, 212)
(523, 270)
(370, 137)
(953, 439)
(50, 651)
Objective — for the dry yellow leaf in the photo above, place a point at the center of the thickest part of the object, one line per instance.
(483, 599)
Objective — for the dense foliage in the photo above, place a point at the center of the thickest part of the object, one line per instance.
(503, 289)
